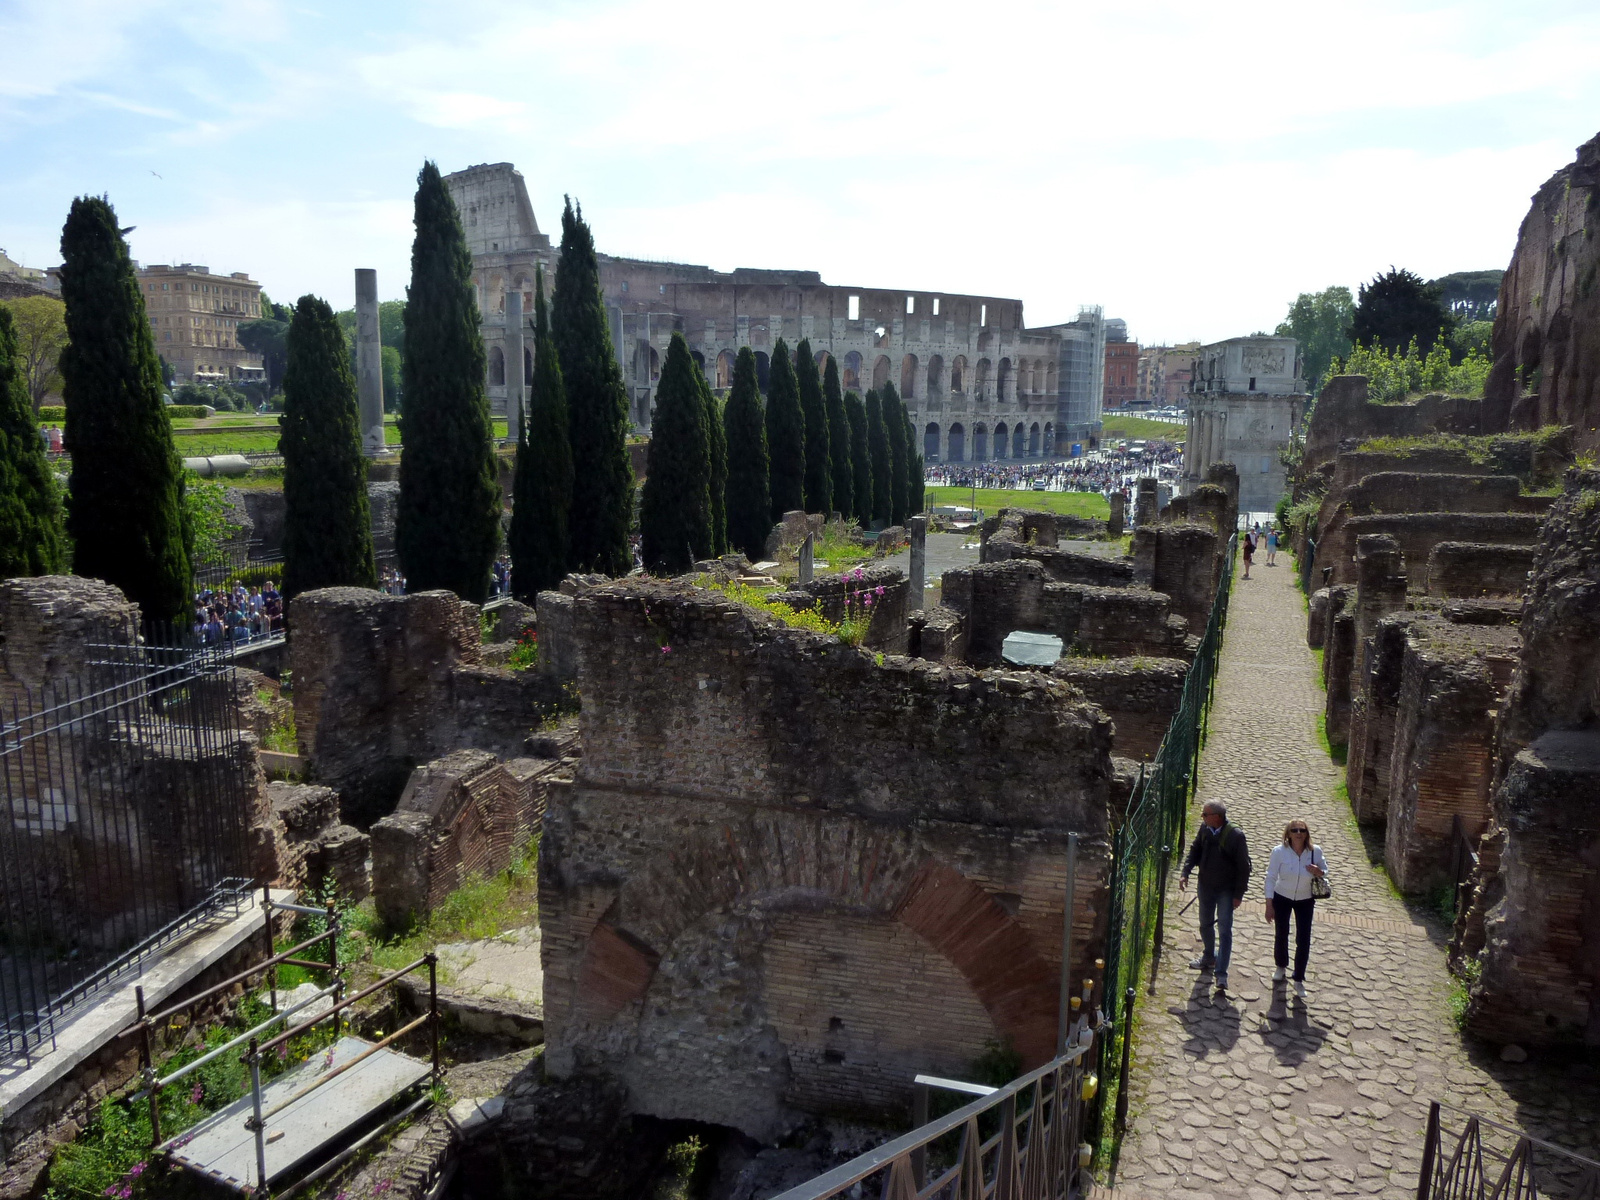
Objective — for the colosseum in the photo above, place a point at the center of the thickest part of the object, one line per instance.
(978, 382)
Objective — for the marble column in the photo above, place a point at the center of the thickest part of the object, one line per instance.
(369, 362)
(515, 394)
(919, 561)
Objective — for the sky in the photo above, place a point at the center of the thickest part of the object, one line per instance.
(1189, 167)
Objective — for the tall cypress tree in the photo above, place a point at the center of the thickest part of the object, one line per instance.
(125, 507)
(882, 463)
(31, 541)
(717, 444)
(860, 460)
(894, 426)
(447, 527)
(327, 530)
(914, 468)
(749, 472)
(819, 466)
(838, 441)
(542, 489)
(597, 404)
(675, 509)
(786, 435)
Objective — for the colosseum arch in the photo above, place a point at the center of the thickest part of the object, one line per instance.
(763, 371)
(497, 367)
(985, 339)
(935, 375)
(980, 443)
(1019, 441)
(908, 377)
(958, 374)
(725, 362)
(982, 389)
(1003, 387)
(930, 442)
(880, 371)
(851, 380)
(1000, 434)
(958, 443)
(1033, 440)
(655, 364)
(1049, 439)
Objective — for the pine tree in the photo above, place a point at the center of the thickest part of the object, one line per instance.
(838, 441)
(597, 405)
(125, 508)
(745, 429)
(30, 505)
(882, 463)
(675, 509)
(894, 426)
(717, 444)
(914, 481)
(447, 527)
(327, 531)
(819, 467)
(860, 460)
(542, 489)
(786, 435)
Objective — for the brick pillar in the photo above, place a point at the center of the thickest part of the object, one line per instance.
(1226, 476)
(1144, 509)
(1380, 589)
(1118, 517)
(1185, 569)
(919, 562)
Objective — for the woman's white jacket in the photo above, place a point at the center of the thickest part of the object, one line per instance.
(1287, 875)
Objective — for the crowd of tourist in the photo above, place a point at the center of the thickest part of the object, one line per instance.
(238, 614)
(1101, 471)
(391, 582)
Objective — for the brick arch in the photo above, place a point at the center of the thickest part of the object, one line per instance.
(788, 860)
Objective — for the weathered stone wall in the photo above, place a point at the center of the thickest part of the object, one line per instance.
(1419, 533)
(1338, 661)
(1138, 694)
(937, 634)
(834, 873)
(317, 845)
(1185, 567)
(383, 683)
(45, 624)
(841, 595)
(1374, 709)
(1467, 570)
(1343, 412)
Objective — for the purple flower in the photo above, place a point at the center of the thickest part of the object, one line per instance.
(196, 1094)
(666, 649)
(136, 1170)
(879, 592)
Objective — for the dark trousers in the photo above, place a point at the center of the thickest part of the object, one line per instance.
(1302, 910)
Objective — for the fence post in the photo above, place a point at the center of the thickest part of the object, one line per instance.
(1119, 1123)
(1069, 896)
(335, 978)
(919, 1118)
(433, 1008)
(266, 932)
(147, 1063)
(253, 1057)
(1161, 916)
(1430, 1150)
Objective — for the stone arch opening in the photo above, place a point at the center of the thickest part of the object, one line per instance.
(930, 442)
(880, 371)
(983, 380)
(527, 365)
(908, 377)
(958, 443)
(980, 443)
(1000, 435)
(497, 367)
(699, 360)
(958, 373)
(851, 379)
(1002, 384)
(1049, 439)
(655, 364)
(1033, 440)
(724, 370)
(935, 375)
(1050, 385)
(1019, 441)
(763, 371)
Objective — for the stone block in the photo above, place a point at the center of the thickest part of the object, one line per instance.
(1472, 569)
(937, 634)
(1140, 695)
(1185, 568)
(1317, 618)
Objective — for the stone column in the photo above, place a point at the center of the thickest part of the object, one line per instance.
(1118, 517)
(919, 562)
(807, 558)
(369, 362)
(1144, 508)
(515, 399)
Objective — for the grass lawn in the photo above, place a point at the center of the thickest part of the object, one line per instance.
(992, 500)
(1142, 429)
(255, 435)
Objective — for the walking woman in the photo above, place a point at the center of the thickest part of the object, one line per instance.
(1292, 872)
(1249, 551)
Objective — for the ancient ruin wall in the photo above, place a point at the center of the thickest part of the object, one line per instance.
(1418, 533)
(786, 878)
(1469, 570)
(1140, 695)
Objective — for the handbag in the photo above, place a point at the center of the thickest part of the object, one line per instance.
(1321, 889)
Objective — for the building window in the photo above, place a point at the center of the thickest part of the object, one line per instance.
(624, 287)
(663, 289)
(936, 306)
(855, 308)
(911, 305)
(1252, 383)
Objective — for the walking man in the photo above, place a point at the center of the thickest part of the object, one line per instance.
(1220, 852)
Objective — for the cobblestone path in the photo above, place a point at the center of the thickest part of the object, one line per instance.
(1258, 1094)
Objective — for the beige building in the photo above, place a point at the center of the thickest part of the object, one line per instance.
(195, 317)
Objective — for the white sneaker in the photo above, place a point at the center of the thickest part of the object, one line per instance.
(1278, 975)
(1300, 988)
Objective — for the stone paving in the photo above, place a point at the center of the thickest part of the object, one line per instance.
(1257, 1094)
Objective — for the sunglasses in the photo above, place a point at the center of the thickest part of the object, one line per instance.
(1299, 831)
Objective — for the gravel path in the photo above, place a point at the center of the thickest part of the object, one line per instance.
(1257, 1094)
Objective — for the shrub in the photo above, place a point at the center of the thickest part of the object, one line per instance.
(196, 411)
(52, 414)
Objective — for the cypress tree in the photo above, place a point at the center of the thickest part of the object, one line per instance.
(327, 530)
(882, 463)
(838, 441)
(597, 407)
(447, 527)
(745, 429)
(542, 488)
(786, 435)
(894, 426)
(675, 509)
(819, 464)
(860, 460)
(125, 506)
(717, 444)
(914, 482)
(30, 505)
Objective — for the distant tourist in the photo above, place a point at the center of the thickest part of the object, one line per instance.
(1292, 885)
(1223, 858)
(1249, 551)
(1272, 546)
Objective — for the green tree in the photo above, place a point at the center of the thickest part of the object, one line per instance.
(860, 459)
(327, 529)
(392, 325)
(819, 465)
(894, 427)
(393, 371)
(1471, 338)
(786, 435)
(542, 490)
(1470, 295)
(125, 508)
(597, 407)
(447, 525)
(31, 541)
(675, 509)
(882, 463)
(268, 337)
(745, 428)
(914, 481)
(1396, 308)
(1319, 322)
(838, 441)
(39, 324)
(717, 445)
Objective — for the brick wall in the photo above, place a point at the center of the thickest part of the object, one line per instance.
(1471, 569)
(1374, 709)
(1419, 533)
(1186, 563)
(1138, 694)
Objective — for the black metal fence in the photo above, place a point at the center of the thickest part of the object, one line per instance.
(1465, 1157)
(124, 784)
(1144, 845)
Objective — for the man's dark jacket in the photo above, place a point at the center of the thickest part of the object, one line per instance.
(1223, 859)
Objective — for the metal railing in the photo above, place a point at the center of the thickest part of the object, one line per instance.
(1485, 1160)
(123, 823)
(1144, 845)
(1463, 864)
